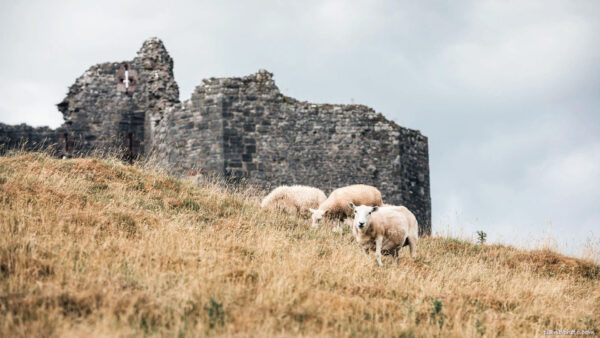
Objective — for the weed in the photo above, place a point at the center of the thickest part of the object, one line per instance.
(216, 314)
(436, 314)
(480, 327)
(481, 237)
(190, 204)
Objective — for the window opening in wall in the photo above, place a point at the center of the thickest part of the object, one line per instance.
(126, 79)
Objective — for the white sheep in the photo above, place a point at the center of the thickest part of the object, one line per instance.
(387, 229)
(336, 205)
(293, 199)
(410, 217)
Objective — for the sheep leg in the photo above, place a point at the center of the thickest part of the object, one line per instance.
(412, 242)
(378, 244)
(397, 255)
(366, 251)
(337, 227)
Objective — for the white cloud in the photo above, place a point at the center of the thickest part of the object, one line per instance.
(576, 174)
(516, 50)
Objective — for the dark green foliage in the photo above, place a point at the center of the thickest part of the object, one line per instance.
(481, 237)
(436, 312)
(216, 314)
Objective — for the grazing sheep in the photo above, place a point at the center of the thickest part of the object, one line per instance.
(336, 205)
(412, 219)
(294, 199)
(388, 227)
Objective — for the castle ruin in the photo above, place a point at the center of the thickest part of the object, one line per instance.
(236, 127)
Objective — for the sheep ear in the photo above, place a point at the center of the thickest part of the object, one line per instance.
(311, 210)
(375, 208)
(351, 205)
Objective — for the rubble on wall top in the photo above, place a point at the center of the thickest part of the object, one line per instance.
(153, 44)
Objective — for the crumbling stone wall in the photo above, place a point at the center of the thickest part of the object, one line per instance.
(28, 138)
(100, 117)
(245, 128)
(190, 136)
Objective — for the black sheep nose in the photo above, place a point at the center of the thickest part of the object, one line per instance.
(361, 224)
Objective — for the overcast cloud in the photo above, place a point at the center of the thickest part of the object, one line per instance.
(508, 92)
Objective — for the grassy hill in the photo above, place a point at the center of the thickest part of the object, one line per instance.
(96, 247)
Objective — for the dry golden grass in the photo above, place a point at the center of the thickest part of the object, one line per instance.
(93, 247)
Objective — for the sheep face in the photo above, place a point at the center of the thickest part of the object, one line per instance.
(317, 215)
(362, 216)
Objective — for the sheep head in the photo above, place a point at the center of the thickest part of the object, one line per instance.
(317, 216)
(362, 216)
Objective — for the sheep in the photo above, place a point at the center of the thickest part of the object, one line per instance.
(293, 199)
(389, 227)
(336, 205)
(412, 219)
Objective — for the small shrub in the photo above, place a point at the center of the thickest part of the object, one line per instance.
(481, 237)
(216, 314)
(480, 327)
(436, 312)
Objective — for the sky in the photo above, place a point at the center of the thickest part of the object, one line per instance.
(508, 92)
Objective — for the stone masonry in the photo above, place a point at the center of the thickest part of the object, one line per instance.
(98, 116)
(27, 138)
(240, 128)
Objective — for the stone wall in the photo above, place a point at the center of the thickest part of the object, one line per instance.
(98, 116)
(245, 128)
(28, 138)
(190, 137)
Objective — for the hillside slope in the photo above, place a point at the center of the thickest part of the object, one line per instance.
(95, 247)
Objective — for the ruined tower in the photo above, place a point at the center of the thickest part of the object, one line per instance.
(117, 105)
